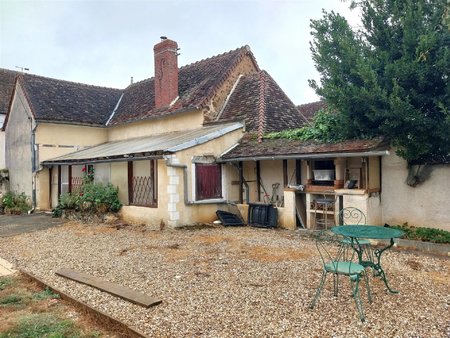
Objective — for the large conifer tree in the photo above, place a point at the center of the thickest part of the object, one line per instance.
(390, 76)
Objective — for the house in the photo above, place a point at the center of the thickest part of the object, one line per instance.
(157, 140)
(190, 140)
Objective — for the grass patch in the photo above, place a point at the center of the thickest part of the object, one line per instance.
(425, 234)
(47, 293)
(11, 299)
(44, 325)
(5, 282)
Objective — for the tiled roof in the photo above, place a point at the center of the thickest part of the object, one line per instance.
(196, 83)
(308, 110)
(280, 114)
(250, 148)
(7, 80)
(55, 100)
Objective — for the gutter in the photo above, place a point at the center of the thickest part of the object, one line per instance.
(105, 160)
(305, 156)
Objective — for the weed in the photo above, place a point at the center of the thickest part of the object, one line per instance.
(425, 234)
(10, 299)
(5, 282)
(42, 325)
(46, 294)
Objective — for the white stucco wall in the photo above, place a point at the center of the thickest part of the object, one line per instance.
(427, 205)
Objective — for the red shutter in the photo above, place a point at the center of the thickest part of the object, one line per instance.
(208, 181)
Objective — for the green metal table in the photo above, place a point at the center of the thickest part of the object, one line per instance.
(355, 232)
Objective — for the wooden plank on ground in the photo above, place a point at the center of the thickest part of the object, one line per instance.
(112, 288)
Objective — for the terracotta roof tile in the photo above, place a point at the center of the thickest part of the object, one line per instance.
(250, 148)
(308, 110)
(281, 113)
(7, 80)
(196, 83)
(69, 102)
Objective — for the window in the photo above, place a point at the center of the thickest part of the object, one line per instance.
(142, 183)
(208, 178)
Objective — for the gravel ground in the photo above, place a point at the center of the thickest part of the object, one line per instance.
(234, 282)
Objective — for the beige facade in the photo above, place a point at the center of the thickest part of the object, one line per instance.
(177, 202)
(184, 121)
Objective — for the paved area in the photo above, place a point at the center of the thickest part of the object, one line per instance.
(11, 225)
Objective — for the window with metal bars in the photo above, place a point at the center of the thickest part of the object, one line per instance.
(142, 183)
(208, 178)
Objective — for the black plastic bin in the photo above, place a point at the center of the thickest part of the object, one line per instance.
(262, 215)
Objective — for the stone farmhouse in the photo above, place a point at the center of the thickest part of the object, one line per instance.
(190, 141)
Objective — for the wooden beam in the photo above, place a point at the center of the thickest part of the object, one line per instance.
(258, 180)
(285, 174)
(70, 178)
(59, 181)
(241, 183)
(130, 182)
(112, 288)
(298, 171)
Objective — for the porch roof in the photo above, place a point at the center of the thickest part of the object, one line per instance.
(273, 149)
(147, 147)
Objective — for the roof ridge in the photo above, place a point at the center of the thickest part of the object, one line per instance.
(246, 47)
(25, 75)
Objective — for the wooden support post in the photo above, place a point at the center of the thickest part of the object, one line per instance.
(130, 182)
(285, 174)
(59, 181)
(298, 171)
(241, 182)
(258, 180)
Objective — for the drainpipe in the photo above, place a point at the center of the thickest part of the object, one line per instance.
(33, 167)
(185, 177)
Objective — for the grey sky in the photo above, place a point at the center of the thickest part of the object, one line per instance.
(106, 42)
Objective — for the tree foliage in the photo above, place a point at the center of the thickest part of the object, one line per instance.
(390, 76)
(324, 127)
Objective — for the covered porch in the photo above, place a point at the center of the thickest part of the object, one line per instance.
(292, 176)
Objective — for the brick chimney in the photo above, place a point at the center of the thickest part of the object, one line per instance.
(166, 72)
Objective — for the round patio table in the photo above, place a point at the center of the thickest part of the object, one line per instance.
(355, 232)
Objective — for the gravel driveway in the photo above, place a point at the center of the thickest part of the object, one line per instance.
(234, 282)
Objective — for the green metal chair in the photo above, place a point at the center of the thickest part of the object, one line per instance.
(329, 248)
(351, 215)
(354, 216)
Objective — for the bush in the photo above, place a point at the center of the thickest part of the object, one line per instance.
(69, 200)
(93, 197)
(425, 234)
(15, 204)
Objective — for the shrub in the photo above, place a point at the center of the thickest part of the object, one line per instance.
(93, 197)
(15, 203)
(425, 234)
(69, 200)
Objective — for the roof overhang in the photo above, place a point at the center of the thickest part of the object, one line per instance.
(306, 156)
(148, 147)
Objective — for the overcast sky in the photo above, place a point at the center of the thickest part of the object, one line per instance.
(105, 43)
